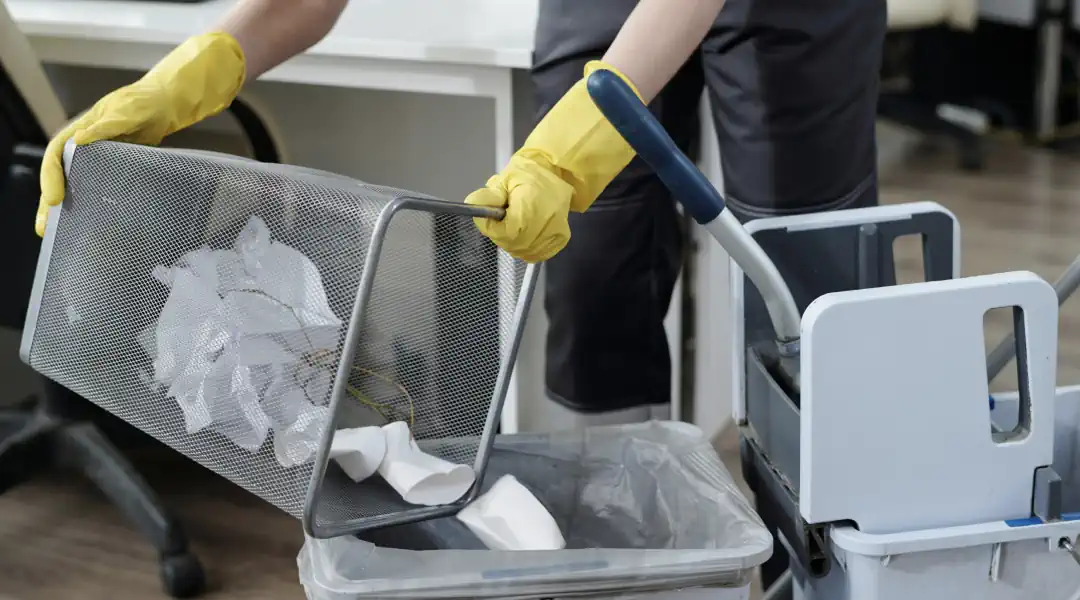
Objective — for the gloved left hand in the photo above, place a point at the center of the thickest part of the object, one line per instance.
(199, 78)
(571, 156)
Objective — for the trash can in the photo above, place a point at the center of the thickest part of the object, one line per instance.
(647, 510)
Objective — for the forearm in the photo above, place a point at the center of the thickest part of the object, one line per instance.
(658, 38)
(273, 31)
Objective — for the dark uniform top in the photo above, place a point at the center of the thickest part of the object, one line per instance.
(793, 85)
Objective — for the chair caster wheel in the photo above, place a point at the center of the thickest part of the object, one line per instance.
(971, 159)
(182, 576)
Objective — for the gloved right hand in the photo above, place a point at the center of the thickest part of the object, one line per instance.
(198, 79)
(566, 162)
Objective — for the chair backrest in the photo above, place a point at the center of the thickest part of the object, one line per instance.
(30, 113)
(29, 108)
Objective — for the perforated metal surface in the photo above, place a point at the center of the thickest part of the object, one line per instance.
(438, 324)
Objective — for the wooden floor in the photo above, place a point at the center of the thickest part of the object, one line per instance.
(60, 541)
(1021, 213)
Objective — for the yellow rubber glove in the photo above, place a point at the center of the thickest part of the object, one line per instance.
(571, 156)
(198, 79)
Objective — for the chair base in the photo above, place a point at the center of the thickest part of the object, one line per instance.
(35, 437)
(912, 112)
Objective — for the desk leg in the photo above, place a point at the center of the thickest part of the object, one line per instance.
(1051, 34)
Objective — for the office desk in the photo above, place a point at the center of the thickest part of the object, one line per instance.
(465, 47)
(427, 95)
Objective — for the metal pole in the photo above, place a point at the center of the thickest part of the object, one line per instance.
(1065, 286)
(781, 588)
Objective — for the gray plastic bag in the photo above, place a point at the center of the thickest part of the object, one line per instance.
(644, 508)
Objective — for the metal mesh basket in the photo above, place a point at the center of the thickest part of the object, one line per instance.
(241, 312)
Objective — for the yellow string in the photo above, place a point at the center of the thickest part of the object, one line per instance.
(359, 396)
(317, 355)
(401, 388)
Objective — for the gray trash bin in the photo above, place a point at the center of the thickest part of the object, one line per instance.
(647, 510)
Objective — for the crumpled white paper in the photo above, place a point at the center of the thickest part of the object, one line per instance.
(419, 477)
(509, 517)
(242, 344)
(359, 451)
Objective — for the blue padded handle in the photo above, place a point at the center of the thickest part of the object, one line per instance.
(632, 119)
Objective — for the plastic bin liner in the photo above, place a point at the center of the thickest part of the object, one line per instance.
(646, 507)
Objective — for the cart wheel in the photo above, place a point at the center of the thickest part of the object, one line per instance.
(182, 576)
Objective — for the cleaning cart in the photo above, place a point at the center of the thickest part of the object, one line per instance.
(867, 422)
(937, 493)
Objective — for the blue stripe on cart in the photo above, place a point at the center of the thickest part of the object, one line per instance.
(1030, 521)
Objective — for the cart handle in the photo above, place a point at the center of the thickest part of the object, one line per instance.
(632, 119)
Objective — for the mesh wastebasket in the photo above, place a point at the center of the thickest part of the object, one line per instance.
(242, 312)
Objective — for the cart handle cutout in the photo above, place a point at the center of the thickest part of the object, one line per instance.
(1020, 420)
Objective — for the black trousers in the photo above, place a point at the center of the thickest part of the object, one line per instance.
(793, 85)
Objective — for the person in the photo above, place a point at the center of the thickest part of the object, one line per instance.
(793, 87)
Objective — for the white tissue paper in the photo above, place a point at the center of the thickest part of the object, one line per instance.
(359, 451)
(242, 341)
(418, 477)
(509, 517)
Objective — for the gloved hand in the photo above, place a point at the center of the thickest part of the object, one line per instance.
(198, 79)
(571, 156)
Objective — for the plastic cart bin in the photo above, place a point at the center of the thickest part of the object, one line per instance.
(648, 511)
(1002, 560)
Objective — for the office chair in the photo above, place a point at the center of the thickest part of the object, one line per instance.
(59, 428)
(912, 24)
